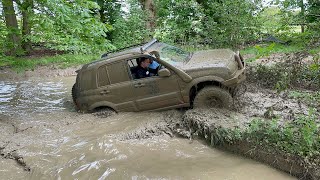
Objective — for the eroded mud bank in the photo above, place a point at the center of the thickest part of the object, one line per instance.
(123, 146)
(69, 144)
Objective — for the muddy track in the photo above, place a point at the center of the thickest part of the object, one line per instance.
(206, 124)
(12, 153)
(218, 134)
(215, 124)
(14, 156)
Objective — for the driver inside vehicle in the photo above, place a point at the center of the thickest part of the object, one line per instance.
(143, 69)
(154, 67)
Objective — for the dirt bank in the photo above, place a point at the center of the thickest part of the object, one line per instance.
(40, 71)
(226, 129)
(220, 127)
(217, 129)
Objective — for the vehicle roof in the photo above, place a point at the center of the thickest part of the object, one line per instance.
(124, 53)
(110, 59)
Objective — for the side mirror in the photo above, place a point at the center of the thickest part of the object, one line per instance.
(164, 72)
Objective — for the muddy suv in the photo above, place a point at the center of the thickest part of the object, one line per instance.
(182, 79)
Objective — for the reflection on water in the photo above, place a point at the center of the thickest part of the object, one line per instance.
(93, 151)
(32, 96)
(64, 144)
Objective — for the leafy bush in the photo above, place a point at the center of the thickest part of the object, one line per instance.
(300, 137)
(131, 29)
(291, 72)
(264, 51)
(62, 61)
(227, 23)
(312, 99)
(69, 27)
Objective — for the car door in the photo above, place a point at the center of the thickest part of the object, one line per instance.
(115, 87)
(157, 92)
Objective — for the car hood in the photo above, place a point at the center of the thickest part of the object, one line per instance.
(210, 58)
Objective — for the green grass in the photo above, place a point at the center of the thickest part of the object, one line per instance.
(62, 61)
(267, 49)
(299, 137)
(310, 98)
(263, 50)
(315, 51)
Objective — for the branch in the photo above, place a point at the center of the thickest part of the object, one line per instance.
(316, 15)
(18, 2)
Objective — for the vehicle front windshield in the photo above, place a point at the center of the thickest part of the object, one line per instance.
(173, 55)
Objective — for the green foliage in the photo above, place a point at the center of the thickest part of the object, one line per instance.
(214, 23)
(312, 99)
(179, 21)
(69, 27)
(222, 135)
(270, 19)
(3, 36)
(264, 51)
(61, 61)
(299, 137)
(130, 29)
(290, 73)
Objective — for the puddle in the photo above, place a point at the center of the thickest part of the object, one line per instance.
(55, 142)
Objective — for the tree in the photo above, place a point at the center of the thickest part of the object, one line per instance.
(109, 10)
(149, 7)
(26, 8)
(13, 34)
(207, 22)
(309, 11)
(313, 16)
(130, 28)
(179, 21)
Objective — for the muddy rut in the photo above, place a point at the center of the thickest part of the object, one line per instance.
(43, 137)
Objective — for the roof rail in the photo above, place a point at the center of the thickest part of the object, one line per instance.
(144, 47)
(127, 47)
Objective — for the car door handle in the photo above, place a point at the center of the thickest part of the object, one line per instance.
(139, 85)
(104, 92)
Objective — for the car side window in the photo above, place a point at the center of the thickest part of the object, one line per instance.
(103, 78)
(133, 66)
(117, 72)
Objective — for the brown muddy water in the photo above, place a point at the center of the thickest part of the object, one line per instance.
(42, 137)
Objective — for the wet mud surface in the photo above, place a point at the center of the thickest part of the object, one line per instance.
(43, 137)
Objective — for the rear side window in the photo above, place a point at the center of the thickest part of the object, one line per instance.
(88, 80)
(117, 72)
(103, 78)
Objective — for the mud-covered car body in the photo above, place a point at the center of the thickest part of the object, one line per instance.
(110, 82)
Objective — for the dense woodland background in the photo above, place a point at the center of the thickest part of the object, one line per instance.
(93, 26)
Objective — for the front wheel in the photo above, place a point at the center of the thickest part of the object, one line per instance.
(212, 96)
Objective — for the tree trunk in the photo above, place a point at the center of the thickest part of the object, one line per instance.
(149, 7)
(14, 40)
(26, 10)
(301, 4)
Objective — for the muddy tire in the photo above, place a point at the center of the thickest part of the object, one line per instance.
(74, 93)
(103, 112)
(212, 96)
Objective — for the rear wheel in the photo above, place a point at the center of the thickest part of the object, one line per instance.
(74, 93)
(103, 112)
(212, 96)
